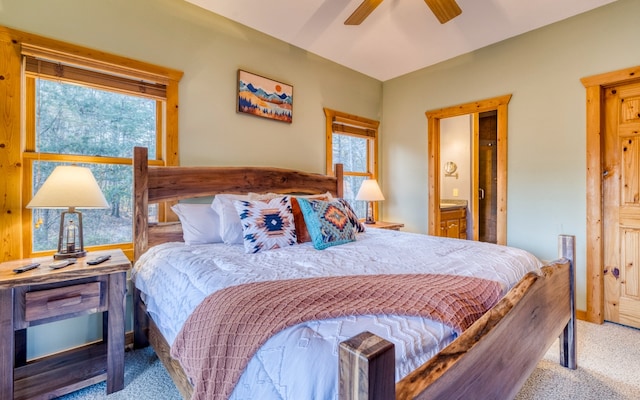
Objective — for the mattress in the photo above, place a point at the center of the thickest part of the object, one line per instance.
(174, 278)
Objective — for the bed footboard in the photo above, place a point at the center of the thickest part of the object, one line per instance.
(491, 359)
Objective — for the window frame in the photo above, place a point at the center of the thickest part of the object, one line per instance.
(342, 123)
(101, 71)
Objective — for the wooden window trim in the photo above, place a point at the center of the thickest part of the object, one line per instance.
(101, 80)
(70, 54)
(353, 125)
(15, 44)
(337, 121)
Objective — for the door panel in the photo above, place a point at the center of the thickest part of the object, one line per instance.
(621, 205)
(487, 176)
(487, 206)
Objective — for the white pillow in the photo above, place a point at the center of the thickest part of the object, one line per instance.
(230, 226)
(200, 224)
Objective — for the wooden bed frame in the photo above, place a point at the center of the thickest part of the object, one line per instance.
(491, 359)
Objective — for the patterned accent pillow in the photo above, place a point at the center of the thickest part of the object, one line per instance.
(327, 222)
(266, 224)
(359, 226)
(301, 227)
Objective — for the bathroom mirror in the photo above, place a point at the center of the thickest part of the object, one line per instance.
(450, 168)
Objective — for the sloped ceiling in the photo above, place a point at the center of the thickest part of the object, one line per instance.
(400, 36)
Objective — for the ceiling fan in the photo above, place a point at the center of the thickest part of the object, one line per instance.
(444, 10)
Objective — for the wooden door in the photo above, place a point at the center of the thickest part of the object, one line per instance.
(487, 177)
(621, 205)
(486, 195)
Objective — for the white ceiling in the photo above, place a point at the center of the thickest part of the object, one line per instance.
(400, 36)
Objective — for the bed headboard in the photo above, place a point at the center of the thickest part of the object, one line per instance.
(153, 184)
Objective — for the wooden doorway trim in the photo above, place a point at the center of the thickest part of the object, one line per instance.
(595, 86)
(499, 104)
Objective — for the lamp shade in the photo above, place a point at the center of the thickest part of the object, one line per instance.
(370, 191)
(69, 186)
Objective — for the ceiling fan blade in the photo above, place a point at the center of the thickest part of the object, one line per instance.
(362, 12)
(444, 10)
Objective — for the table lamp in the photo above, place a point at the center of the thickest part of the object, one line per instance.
(370, 192)
(70, 187)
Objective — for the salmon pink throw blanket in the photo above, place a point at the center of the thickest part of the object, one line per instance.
(229, 326)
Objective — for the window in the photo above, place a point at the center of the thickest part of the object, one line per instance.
(91, 113)
(353, 142)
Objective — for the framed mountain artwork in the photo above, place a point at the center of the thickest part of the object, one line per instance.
(264, 97)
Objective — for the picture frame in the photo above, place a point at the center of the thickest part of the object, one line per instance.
(264, 97)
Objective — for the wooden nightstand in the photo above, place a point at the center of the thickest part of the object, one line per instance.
(44, 295)
(394, 226)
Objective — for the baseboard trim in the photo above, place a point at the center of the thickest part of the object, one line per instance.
(128, 340)
(581, 315)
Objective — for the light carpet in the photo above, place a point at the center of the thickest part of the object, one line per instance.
(608, 369)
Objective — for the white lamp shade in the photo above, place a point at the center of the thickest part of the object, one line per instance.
(69, 186)
(370, 191)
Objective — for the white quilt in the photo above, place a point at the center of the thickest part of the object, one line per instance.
(301, 362)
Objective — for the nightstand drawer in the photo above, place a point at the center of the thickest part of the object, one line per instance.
(41, 304)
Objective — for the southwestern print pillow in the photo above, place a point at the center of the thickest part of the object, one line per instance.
(327, 222)
(266, 224)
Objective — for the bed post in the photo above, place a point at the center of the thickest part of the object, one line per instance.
(140, 239)
(141, 201)
(568, 358)
(367, 368)
(340, 180)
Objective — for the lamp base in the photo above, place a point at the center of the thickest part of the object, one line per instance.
(369, 219)
(70, 239)
(76, 254)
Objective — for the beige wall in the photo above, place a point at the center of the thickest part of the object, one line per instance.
(546, 144)
(209, 50)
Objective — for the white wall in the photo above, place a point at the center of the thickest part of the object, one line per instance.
(546, 128)
(455, 146)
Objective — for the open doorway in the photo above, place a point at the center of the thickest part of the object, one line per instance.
(493, 111)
